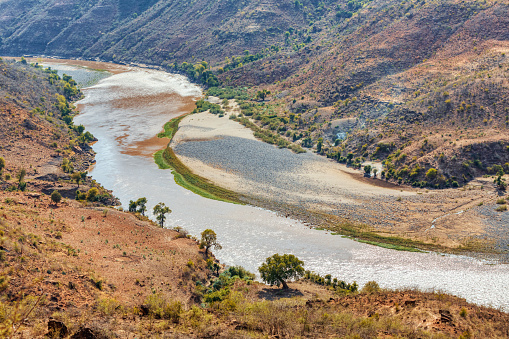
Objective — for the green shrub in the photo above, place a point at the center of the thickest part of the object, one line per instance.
(371, 287)
(92, 194)
(160, 308)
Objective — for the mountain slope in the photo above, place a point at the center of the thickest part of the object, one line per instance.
(397, 71)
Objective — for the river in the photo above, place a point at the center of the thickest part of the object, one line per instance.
(126, 110)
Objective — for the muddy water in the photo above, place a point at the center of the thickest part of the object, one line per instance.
(126, 110)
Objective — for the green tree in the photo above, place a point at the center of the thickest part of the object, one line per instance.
(209, 239)
(76, 177)
(141, 204)
(262, 94)
(132, 206)
(375, 171)
(21, 175)
(2, 164)
(367, 169)
(22, 185)
(277, 269)
(500, 182)
(319, 145)
(160, 211)
(56, 197)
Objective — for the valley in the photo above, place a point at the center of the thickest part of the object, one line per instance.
(367, 138)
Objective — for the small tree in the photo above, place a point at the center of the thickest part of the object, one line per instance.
(208, 240)
(141, 204)
(500, 182)
(76, 177)
(262, 94)
(375, 171)
(132, 206)
(21, 179)
(56, 197)
(21, 175)
(277, 269)
(160, 211)
(367, 169)
(319, 145)
(2, 164)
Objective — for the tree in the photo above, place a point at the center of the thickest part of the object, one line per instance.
(319, 145)
(21, 182)
(141, 204)
(132, 206)
(208, 240)
(277, 269)
(367, 170)
(2, 164)
(160, 211)
(499, 181)
(262, 94)
(76, 176)
(375, 171)
(56, 197)
(21, 175)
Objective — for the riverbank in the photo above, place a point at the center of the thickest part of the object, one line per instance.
(220, 150)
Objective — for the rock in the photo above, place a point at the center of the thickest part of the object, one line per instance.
(88, 333)
(56, 329)
(445, 316)
(410, 303)
(29, 124)
(144, 310)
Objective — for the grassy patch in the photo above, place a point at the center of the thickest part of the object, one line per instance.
(159, 159)
(363, 234)
(170, 128)
(166, 159)
(390, 246)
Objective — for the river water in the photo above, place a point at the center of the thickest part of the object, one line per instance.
(125, 111)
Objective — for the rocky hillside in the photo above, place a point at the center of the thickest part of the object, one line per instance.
(420, 83)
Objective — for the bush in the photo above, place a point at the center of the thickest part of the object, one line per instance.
(92, 194)
(160, 308)
(80, 195)
(371, 287)
(431, 174)
(56, 197)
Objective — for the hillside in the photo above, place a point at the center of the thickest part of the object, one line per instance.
(420, 83)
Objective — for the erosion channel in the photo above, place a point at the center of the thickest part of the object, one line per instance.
(126, 111)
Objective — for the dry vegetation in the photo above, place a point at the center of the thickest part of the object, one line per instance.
(109, 273)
